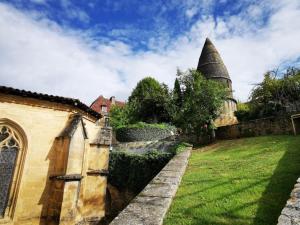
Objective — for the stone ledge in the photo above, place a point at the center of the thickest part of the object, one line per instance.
(290, 215)
(151, 205)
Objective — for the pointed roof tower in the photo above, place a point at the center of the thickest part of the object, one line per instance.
(210, 62)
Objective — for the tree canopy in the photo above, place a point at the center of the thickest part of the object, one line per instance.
(202, 100)
(192, 105)
(148, 101)
(272, 95)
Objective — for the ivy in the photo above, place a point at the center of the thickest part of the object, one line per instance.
(134, 171)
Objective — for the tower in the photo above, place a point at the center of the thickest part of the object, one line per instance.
(212, 67)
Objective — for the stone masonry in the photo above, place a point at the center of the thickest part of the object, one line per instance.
(290, 215)
(152, 204)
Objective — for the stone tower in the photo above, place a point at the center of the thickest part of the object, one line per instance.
(212, 67)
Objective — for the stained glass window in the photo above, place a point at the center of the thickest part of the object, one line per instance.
(9, 148)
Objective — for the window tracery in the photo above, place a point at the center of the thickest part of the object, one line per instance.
(10, 145)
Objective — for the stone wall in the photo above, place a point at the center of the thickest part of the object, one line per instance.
(290, 215)
(151, 205)
(143, 134)
(142, 147)
(265, 126)
(47, 183)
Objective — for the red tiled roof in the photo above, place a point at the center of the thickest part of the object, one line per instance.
(101, 101)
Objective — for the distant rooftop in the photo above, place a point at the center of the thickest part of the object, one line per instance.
(103, 105)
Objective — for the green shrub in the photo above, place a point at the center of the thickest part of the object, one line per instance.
(179, 148)
(134, 171)
(243, 111)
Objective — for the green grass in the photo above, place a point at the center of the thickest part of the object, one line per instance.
(244, 181)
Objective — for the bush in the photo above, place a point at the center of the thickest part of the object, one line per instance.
(274, 93)
(134, 171)
(243, 111)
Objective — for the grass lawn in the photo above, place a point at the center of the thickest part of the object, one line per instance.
(244, 181)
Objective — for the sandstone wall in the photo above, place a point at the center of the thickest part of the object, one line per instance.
(46, 156)
(265, 126)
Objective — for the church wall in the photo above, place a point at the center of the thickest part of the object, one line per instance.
(47, 156)
(41, 126)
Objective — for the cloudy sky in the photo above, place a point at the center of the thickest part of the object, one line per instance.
(85, 48)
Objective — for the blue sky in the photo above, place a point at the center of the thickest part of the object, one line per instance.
(86, 48)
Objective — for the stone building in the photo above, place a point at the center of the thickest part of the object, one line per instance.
(53, 160)
(212, 67)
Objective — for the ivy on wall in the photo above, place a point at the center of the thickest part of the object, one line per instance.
(134, 171)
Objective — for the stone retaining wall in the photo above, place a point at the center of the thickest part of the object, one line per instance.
(142, 147)
(265, 126)
(143, 134)
(151, 205)
(290, 215)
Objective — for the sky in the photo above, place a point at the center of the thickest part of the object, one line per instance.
(86, 48)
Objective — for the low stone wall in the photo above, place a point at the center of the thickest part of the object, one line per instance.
(143, 134)
(290, 215)
(259, 127)
(151, 205)
(142, 147)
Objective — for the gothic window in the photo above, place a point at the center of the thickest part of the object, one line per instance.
(10, 145)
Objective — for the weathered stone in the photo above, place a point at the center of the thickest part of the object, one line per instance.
(144, 134)
(290, 214)
(151, 205)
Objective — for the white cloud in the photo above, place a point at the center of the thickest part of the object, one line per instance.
(41, 56)
(73, 12)
(42, 2)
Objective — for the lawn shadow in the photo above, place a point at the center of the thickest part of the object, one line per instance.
(281, 184)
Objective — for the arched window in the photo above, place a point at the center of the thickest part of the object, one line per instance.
(12, 145)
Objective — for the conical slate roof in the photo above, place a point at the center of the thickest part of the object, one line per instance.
(210, 63)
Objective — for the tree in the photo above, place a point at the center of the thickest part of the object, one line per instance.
(273, 94)
(202, 100)
(177, 94)
(149, 101)
(119, 116)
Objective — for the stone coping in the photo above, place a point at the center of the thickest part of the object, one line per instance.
(290, 215)
(151, 205)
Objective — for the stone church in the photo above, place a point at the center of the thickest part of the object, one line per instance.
(54, 152)
(212, 67)
(53, 160)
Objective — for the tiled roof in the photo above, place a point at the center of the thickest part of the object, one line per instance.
(101, 101)
(51, 98)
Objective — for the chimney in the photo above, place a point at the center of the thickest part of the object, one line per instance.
(112, 100)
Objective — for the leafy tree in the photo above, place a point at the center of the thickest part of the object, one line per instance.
(202, 100)
(243, 111)
(119, 116)
(177, 94)
(273, 94)
(149, 102)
